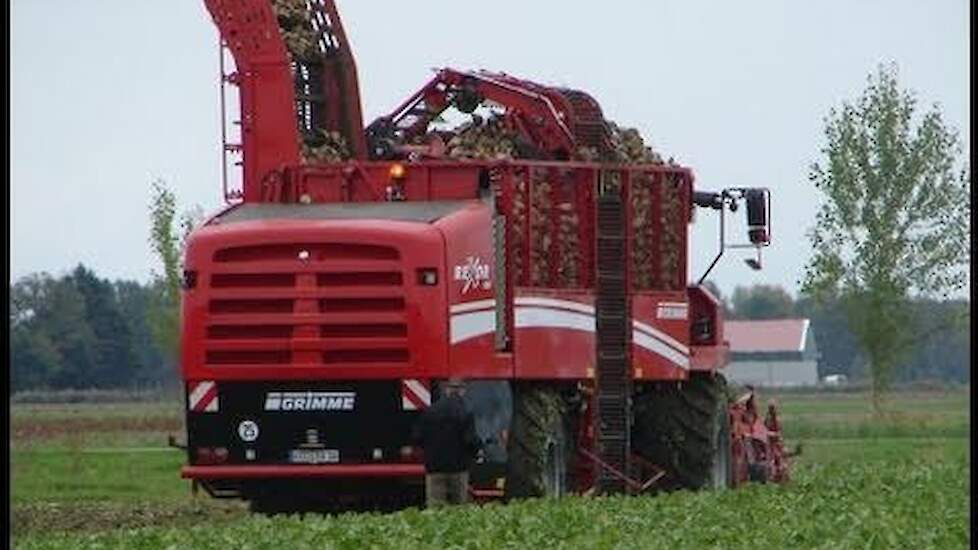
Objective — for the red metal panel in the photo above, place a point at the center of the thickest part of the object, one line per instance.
(660, 340)
(555, 336)
(469, 284)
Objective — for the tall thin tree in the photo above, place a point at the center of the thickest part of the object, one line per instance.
(894, 219)
(168, 243)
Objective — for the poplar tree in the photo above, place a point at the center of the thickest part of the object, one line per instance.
(894, 218)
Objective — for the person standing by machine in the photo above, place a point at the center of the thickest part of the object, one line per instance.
(446, 432)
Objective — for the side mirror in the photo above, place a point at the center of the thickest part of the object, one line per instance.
(757, 220)
(758, 201)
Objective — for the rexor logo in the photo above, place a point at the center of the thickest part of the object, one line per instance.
(473, 274)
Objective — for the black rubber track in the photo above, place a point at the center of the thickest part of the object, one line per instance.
(538, 418)
(676, 427)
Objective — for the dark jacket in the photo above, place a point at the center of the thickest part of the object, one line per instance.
(446, 432)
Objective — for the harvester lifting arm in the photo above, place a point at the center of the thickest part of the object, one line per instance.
(549, 118)
(758, 220)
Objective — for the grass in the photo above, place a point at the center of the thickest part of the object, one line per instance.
(68, 475)
(132, 411)
(868, 427)
(862, 482)
(95, 425)
(850, 416)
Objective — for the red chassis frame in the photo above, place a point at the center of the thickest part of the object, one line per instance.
(757, 443)
(547, 329)
(452, 325)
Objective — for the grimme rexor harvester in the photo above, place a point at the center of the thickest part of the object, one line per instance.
(357, 268)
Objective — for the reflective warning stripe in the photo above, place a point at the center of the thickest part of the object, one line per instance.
(415, 395)
(203, 397)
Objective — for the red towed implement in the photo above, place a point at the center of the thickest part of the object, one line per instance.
(356, 269)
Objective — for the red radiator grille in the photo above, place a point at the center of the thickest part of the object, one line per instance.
(345, 306)
(318, 252)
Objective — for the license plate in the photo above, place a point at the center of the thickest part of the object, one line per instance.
(314, 456)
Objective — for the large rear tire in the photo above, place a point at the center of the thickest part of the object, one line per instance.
(722, 473)
(684, 429)
(539, 444)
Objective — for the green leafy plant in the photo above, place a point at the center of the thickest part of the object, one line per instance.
(168, 238)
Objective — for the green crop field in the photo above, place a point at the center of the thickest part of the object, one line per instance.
(100, 476)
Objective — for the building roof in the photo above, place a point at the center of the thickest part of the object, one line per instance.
(776, 335)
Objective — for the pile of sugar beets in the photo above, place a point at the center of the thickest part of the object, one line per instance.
(489, 139)
(302, 36)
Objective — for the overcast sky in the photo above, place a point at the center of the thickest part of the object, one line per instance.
(107, 95)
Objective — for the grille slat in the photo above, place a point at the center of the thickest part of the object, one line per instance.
(338, 305)
(252, 280)
(363, 331)
(308, 344)
(227, 306)
(232, 332)
(293, 266)
(305, 293)
(317, 252)
(229, 357)
(356, 279)
(360, 356)
(345, 318)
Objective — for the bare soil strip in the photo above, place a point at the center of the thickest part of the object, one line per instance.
(47, 517)
(27, 428)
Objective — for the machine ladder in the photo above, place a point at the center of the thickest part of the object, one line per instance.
(613, 338)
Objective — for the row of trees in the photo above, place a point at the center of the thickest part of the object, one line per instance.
(81, 331)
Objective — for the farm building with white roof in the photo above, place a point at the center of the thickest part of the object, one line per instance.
(772, 353)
